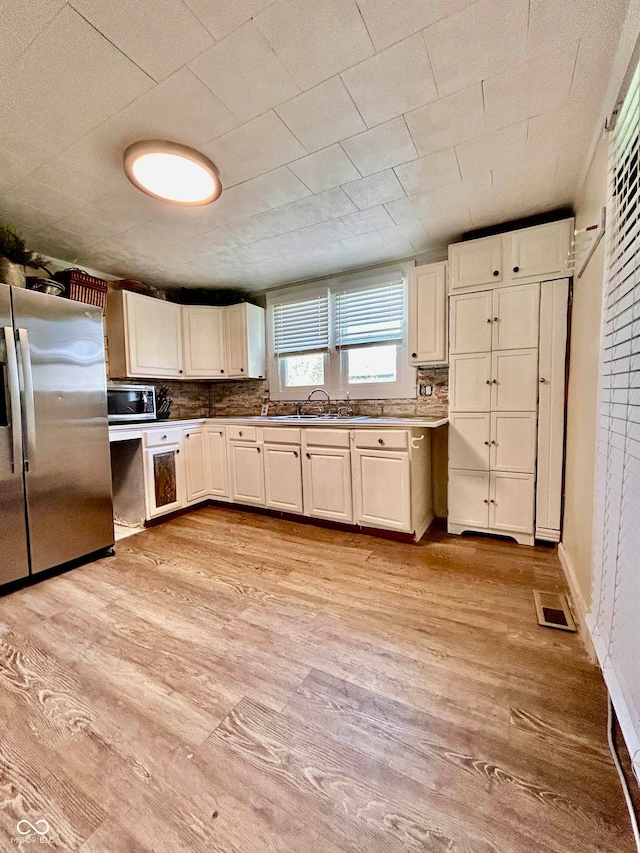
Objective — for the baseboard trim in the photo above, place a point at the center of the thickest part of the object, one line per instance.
(579, 605)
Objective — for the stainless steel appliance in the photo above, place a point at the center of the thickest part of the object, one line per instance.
(131, 402)
(55, 477)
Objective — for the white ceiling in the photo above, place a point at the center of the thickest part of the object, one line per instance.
(346, 133)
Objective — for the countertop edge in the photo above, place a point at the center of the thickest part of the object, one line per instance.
(407, 423)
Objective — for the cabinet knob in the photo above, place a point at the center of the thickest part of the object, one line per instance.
(414, 355)
(164, 437)
(308, 455)
(179, 371)
(486, 442)
(495, 443)
(486, 501)
(258, 449)
(187, 435)
(492, 501)
(240, 433)
(488, 382)
(496, 272)
(542, 379)
(494, 381)
(242, 370)
(516, 269)
(380, 441)
(295, 453)
(496, 319)
(222, 371)
(178, 451)
(489, 320)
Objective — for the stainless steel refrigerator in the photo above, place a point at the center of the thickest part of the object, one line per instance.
(55, 473)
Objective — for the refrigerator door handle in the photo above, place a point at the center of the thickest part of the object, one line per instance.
(14, 399)
(29, 405)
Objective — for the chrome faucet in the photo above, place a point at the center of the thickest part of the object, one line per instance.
(322, 391)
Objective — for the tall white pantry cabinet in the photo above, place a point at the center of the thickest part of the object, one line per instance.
(508, 305)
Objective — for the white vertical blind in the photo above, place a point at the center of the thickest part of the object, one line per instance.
(301, 326)
(370, 315)
(614, 620)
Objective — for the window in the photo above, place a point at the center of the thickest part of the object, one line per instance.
(347, 336)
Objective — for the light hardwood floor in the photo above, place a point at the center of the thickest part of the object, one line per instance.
(232, 682)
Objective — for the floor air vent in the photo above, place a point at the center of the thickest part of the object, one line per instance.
(553, 610)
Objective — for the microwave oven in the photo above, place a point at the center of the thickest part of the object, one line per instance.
(131, 402)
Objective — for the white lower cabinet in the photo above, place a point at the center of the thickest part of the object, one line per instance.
(513, 442)
(470, 382)
(247, 473)
(495, 501)
(216, 440)
(382, 489)
(511, 499)
(468, 499)
(283, 477)
(195, 465)
(163, 479)
(469, 440)
(514, 381)
(326, 474)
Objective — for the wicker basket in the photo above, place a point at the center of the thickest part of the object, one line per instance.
(82, 287)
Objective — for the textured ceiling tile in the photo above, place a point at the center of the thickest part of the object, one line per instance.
(554, 21)
(12, 169)
(221, 17)
(19, 214)
(325, 169)
(20, 23)
(363, 243)
(81, 86)
(253, 149)
(244, 72)
(427, 173)
(80, 224)
(478, 41)
(416, 207)
(220, 239)
(329, 204)
(449, 121)
(125, 208)
(251, 230)
(389, 21)
(65, 178)
(289, 217)
(498, 148)
(455, 198)
(322, 116)
(278, 187)
(366, 221)
(374, 189)
(540, 85)
(381, 148)
(36, 194)
(237, 203)
(316, 38)
(160, 36)
(392, 82)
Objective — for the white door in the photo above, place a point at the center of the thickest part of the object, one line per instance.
(382, 489)
(469, 498)
(475, 263)
(195, 464)
(513, 441)
(514, 378)
(469, 437)
(203, 337)
(326, 475)
(283, 477)
(154, 337)
(428, 314)
(471, 322)
(247, 473)
(470, 382)
(516, 316)
(164, 480)
(236, 339)
(541, 250)
(511, 498)
(217, 460)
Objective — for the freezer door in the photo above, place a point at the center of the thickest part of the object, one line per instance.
(14, 559)
(66, 435)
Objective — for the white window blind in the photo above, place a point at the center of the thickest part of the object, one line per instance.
(372, 315)
(301, 326)
(614, 620)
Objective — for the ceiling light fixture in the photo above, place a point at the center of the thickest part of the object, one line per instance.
(172, 172)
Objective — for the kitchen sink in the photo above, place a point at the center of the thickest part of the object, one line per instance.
(319, 418)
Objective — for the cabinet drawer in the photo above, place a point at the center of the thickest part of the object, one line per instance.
(243, 433)
(326, 437)
(281, 435)
(158, 437)
(382, 439)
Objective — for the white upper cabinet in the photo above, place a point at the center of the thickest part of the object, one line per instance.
(245, 336)
(513, 441)
(516, 316)
(542, 250)
(204, 341)
(428, 314)
(514, 380)
(470, 382)
(471, 322)
(469, 440)
(528, 254)
(475, 263)
(144, 336)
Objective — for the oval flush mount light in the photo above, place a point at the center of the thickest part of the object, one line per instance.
(172, 172)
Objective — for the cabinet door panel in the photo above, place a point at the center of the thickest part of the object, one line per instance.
(247, 473)
(382, 489)
(475, 263)
(164, 487)
(471, 315)
(511, 502)
(327, 483)
(516, 313)
(470, 383)
(514, 385)
(154, 336)
(428, 314)
(513, 441)
(469, 436)
(541, 250)
(217, 460)
(236, 338)
(469, 498)
(283, 477)
(204, 341)
(195, 462)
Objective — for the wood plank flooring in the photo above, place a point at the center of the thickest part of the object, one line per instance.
(237, 683)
